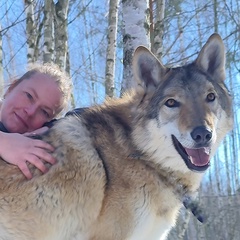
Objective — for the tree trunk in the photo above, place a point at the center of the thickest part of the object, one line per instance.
(111, 48)
(136, 32)
(30, 30)
(60, 30)
(158, 29)
(215, 10)
(48, 50)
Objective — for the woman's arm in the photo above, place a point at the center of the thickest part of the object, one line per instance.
(18, 149)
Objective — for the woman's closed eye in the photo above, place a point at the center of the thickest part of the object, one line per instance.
(29, 95)
(45, 113)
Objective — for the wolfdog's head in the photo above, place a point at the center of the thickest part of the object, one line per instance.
(187, 109)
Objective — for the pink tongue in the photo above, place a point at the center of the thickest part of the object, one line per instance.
(199, 157)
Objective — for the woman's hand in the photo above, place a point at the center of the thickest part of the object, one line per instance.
(19, 149)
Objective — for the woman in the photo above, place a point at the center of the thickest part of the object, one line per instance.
(31, 101)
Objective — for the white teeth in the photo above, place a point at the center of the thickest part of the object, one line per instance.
(207, 150)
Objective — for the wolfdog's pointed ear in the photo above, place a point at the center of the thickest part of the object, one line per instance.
(212, 57)
(147, 70)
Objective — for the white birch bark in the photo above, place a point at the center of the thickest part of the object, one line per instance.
(159, 29)
(135, 32)
(60, 29)
(30, 30)
(48, 50)
(111, 48)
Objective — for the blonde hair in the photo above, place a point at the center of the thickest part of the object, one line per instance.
(54, 72)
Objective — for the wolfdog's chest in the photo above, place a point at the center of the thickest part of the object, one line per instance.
(155, 217)
(143, 203)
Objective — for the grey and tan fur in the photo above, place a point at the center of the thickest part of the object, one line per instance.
(125, 167)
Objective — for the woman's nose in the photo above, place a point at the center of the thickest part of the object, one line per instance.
(31, 109)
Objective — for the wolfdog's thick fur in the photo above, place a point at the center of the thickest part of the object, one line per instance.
(125, 167)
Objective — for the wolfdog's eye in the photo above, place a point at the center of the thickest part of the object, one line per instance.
(211, 97)
(171, 103)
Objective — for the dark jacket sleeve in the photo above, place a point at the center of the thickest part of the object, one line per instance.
(2, 128)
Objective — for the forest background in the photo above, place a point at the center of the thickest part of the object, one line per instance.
(94, 40)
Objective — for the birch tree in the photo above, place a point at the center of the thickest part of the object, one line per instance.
(111, 47)
(60, 30)
(48, 49)
(136, 31)
(158, 28)
(55, 32)
(30, 30)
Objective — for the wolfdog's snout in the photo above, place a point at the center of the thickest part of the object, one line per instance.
(201, 135)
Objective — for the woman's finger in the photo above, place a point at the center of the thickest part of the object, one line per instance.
(42, 144)
(25, 170)
(34, 160)
(44, 155)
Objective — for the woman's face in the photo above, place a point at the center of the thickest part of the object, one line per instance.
(31, 103)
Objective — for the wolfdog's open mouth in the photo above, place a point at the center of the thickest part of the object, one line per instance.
(195, 159)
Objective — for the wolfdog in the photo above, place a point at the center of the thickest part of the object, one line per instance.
(125, 167)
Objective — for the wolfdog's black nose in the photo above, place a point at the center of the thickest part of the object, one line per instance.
(201, 135)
